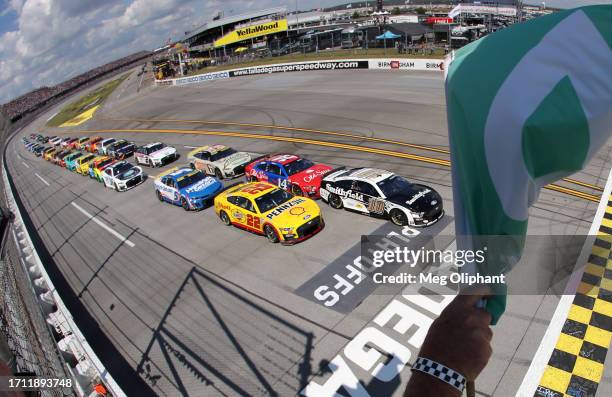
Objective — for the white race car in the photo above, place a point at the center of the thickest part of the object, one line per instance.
(155, 154)
(104, 144)
(219, 160)
(122, 176)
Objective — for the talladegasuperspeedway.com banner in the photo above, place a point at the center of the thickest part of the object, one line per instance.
(300, 67)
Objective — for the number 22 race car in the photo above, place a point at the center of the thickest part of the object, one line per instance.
(382, 193)
(265, 209)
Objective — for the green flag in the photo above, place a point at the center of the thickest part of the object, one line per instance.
(527, 106)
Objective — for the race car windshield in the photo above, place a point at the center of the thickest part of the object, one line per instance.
(273, 199)
(298, 165)
(121, 168)
(104, 162)
(157, 147)
(190, 180)
(222, 154)
(396, 185)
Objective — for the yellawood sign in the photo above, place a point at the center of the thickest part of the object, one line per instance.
(252, 31)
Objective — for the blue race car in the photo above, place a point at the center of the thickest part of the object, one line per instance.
(191, 189)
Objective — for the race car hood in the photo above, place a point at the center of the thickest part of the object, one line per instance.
(311, 176)
(129, 174)
(421, 198)
(293, 213)
(234, 160)
(163, 153)
(125, 147)
(202, 188)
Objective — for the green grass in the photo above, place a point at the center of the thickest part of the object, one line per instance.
(336, 54)
(77, 107)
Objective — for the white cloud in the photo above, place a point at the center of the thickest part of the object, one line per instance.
(58, 39)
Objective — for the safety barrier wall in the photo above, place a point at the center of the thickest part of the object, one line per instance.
(331, 64)
(88, 370)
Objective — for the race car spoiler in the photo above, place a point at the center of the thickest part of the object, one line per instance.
(334, 171)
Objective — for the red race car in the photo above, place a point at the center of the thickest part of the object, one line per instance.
(295, 174)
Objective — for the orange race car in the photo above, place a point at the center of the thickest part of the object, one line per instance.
(91, 144)
(80, 143)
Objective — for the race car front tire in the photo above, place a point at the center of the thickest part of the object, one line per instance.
(398, 217)
(335, 201)
(159, 195)
(251, 178)
(225, 218)
(271, 234)
(296, 190)
(218, 174)
(184, 204)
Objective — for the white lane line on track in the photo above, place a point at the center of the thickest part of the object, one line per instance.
(191, 147)
(103, 225)
(42, 179)
(24, 163)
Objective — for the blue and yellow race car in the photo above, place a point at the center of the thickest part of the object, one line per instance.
(191, 189)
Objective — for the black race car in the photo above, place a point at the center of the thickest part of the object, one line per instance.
(381, 193)
(121, 149)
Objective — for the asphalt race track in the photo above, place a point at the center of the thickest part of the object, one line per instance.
(185, 305)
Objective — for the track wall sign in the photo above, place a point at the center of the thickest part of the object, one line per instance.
(332, 64)
(252, 31)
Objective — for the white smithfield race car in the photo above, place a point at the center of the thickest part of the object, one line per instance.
(155, 154)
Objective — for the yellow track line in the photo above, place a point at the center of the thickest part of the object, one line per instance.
(393, 153)
(431, 160)
(280, 127)
(323, 132)
(580, 183)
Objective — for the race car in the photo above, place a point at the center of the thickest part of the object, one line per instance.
(103, 145)
(39, 150)
(381, 193)
(80, 142)
(121, 149)
(122, 176)
(58, 158)
(90, 145)
(155, 154)
(266, 209)
(55, 141)
(69, 144)
(82, 164)
(48, 155)
(298, 175)
(71, 161)
(219, 160)
(189, 188)
(98, 165)
(48, 152)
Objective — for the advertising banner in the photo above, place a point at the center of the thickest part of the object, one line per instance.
(252, 31)
(201, 77)
(301, 66)
(406, 64)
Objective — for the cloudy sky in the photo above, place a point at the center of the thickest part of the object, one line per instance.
(43, 42)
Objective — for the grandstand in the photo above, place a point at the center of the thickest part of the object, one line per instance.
(37, 98)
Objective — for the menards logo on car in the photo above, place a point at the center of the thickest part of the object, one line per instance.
(283, 207)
